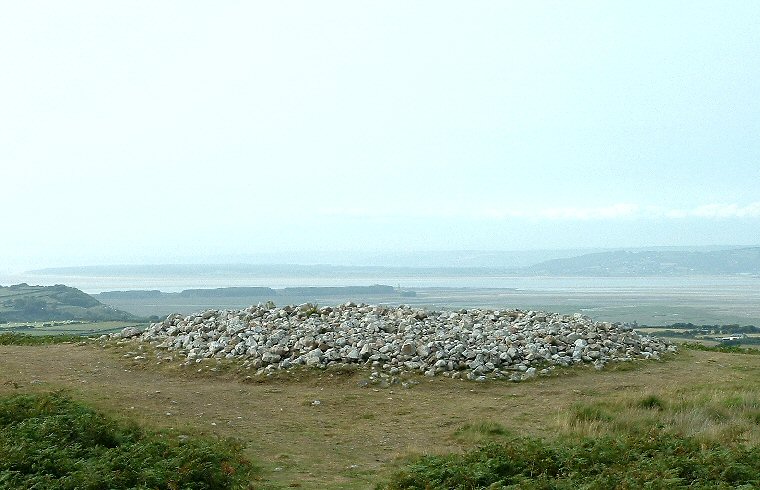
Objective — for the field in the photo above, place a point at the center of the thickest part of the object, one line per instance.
(68, 327)
(330, 429)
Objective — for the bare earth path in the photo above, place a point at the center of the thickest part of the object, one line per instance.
(352, 437)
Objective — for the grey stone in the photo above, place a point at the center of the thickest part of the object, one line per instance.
(408, 349)
(481, 343)
(129, 332)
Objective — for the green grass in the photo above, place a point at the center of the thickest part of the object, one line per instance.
(699, 433)
(727, 416)
(654, 459)
(480, 432)
(651, 402)
(13, 338)
(53, 442)
(729, 349)
(70, 328)
(589, 414)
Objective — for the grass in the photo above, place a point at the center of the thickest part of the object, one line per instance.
(654, 459)
(361, 433)
(699, 432)
(651, 402)
(69, 328)
(724, 416)
(589, 414)
(51, 441)
(732, 349)
(13, 338)
(476, 432)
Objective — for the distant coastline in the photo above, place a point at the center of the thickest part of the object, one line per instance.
(617, 263)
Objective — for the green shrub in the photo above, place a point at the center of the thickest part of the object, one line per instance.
(654, 459)
(50, 441)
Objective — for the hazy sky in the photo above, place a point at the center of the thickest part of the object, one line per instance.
(158, 131)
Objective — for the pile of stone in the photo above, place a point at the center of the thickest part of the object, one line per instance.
(474, 343)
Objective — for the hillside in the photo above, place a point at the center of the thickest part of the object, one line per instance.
(653, 263)
(155, 302)
(25, 303)
(252, 292)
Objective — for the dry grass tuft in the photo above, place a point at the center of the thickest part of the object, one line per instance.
(726, 416)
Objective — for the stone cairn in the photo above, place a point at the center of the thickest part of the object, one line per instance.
(473, 343)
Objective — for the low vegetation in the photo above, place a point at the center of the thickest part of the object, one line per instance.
(691, 420)
(652, 459)
(14, 338)
(728, 416)
(51, 441)
(731, 349)
(700, 435)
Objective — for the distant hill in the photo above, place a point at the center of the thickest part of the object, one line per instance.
(263, 270)
(149, 303)
(283, 262)
(25, 303)
(246, 292)
(653, 263)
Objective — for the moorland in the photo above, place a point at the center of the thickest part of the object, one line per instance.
(332, 429)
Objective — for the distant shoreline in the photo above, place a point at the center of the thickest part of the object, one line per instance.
(706, 301)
